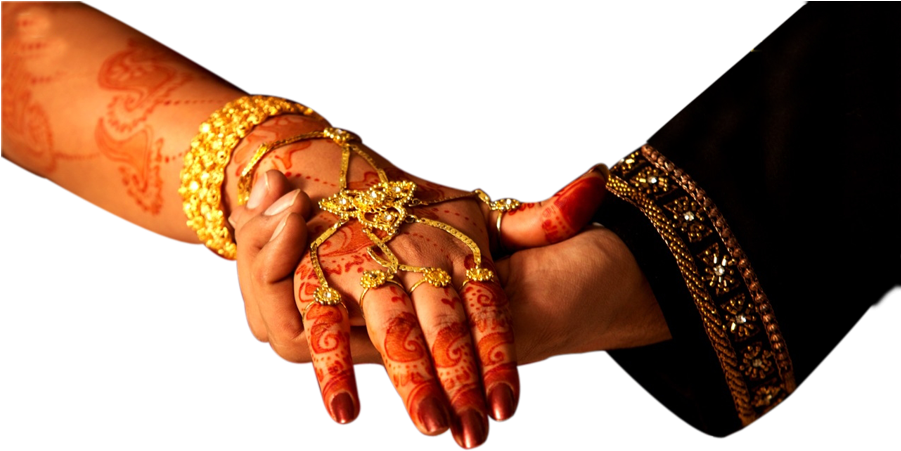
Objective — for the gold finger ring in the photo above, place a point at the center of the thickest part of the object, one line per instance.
(323, 296)
(500, 242)
(435, 277)
(374, 279)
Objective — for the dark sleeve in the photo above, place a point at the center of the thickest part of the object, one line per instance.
(766, 214)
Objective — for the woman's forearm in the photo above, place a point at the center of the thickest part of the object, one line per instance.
(103, 110)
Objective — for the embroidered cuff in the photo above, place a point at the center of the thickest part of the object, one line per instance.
(735, 312)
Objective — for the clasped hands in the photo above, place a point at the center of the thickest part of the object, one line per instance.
(449, 352)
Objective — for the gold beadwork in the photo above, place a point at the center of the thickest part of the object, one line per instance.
(373, 279)
(383, 207)
(653, 184)
(209, 154)
(366, 290)
(435, 277)
(501, 205)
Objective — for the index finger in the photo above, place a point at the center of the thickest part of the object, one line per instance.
(327, 329)
(328, 333)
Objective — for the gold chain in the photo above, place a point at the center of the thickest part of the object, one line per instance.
(383, 207)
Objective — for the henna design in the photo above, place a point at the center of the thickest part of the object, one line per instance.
(322, 322)
(416, 407)
(449, 347)
(26, 55)
(143, 75)
(370, 178)
(140, 172)
(345, 250)
(571, 208)
(451, 301)
(403, 339)
(491, 347)
(330, 351)
(468, 398)
(271, 130)
(523, 207)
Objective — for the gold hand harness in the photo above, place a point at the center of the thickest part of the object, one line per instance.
(384, 207)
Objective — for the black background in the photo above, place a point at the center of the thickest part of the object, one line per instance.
(132, 333)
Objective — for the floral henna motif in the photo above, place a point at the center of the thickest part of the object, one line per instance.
(25, 121)
(411, 373)
(571, 208)
(492, 348)
(487, 308)
(329, 337)
(271, 130)
(344, 252)
(403, 339)
(450, 348)
(523, 207)
(143, 76)
(141, 155)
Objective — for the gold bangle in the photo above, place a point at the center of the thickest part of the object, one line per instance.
(210, 153)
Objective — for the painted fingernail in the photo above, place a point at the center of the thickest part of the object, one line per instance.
(502, 402)
(433, 416)
(343, 408)
(259, 190)
(279, 227)
(474, 428)
(282, 203)
(601, 169)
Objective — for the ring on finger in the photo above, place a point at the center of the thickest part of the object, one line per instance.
(478, 275)
(374, 279)
(435, 277)
(500, 242)
(324, 295)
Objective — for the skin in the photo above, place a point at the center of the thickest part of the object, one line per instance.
(606, 304)
(104, 111)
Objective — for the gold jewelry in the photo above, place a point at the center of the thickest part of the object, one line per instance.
(435, 277)
(384, 207)
(375, 279)
(245, 182)
(306, 309)
(210, 153)
(500, 242)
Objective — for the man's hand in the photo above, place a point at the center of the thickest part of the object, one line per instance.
(583, 294)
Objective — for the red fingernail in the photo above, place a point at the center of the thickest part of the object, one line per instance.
(602, 169)
(343, 408)
(502, 402)
(433, 416)
(474, 429)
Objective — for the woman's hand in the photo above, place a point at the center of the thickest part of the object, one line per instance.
(466, 339)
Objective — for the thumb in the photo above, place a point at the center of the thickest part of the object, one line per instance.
(558, 218)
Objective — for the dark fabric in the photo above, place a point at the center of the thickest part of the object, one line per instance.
(796, 145)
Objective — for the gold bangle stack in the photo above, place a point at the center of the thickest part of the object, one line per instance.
(210, 153)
